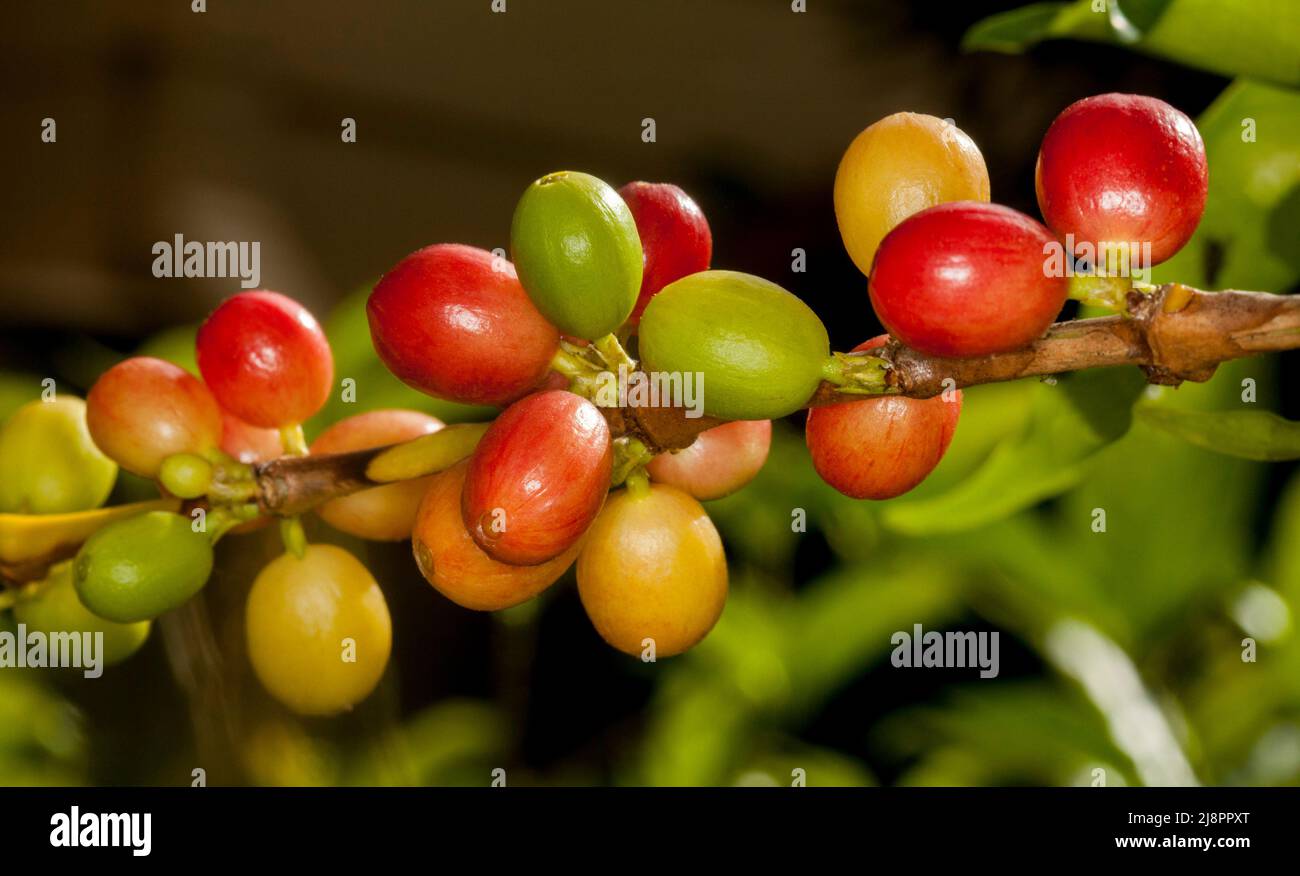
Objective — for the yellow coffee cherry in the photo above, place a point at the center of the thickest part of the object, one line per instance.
(652, 569)
(898, 166)
(318, 629)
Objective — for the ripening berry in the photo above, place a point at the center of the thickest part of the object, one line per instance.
(318, 630)
(761, 350)
(576, 247)
(266, 359)
(537, 478)
(899, 166)
(249, 444)
(1123, 169)
(143, 410)
(458, 568)
(384, 513)
(48, 462)
(675, 237)
(653, 568)
(967, 279)
(719, 462)
(879, 448)
(453, 322)
(138, 568)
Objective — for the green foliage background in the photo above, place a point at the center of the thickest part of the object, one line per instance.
(1122, 649)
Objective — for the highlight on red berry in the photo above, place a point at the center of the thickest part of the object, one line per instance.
(454, 322)
(879, 448)
(1125, 170)
(675, 237)
(966, 279)
(266, 359)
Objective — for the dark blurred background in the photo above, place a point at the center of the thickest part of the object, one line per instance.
(225, 125)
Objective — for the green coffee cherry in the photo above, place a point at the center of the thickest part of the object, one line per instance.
(761, 350)
(56, 608)
(575, 245)
(141, 567)
(48, 462)
(185, 475)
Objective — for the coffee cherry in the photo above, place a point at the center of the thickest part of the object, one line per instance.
(143, 410)
(249, 444)
(537, 478)
(48, 462)
(453, 321)
(674, 234)
(653, 569)
(966, 279)
(458, 568)
(761, 350)
(575, 244)
(719, 462)
(899, 166)
(185, 475)
(318, 630)
(266, 359)
(138, 568)
(382, 513)
(882, 447)
(55, 608)
(1123, 169)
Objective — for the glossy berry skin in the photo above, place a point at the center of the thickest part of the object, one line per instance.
(266, 359)
(653, 568)
(143, 410)
(576, 247)
(1123, 168)
(138, 568)
(537, 478)
(453, 322)
(458, 568)
(249, 444)
(56, 608)
(306, 619)
(761, 350)
(966, 279)
(897, 167)
(675, 237)
(48, 462)
(384, 513)
(879, 448)
(719, 462)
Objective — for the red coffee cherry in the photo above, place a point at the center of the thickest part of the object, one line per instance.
(966, 279)
(1124, 169)
(266, 359)
(882, 447)
(458, 568)
(143, 410)
(538, 478)
(719, 462)
(453, 321)
(674, 235)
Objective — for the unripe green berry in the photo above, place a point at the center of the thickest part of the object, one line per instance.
(48, 462)
(56, 608)
(186, 476)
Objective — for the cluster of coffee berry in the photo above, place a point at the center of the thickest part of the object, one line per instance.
(599, 282)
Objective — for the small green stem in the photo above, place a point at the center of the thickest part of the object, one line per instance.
(293, 536)
(638, 483)
(293, 440)
(630, 455)
(857, 373)
(613, 353)
(224, 518)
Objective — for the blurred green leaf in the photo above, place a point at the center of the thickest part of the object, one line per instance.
(16, 390)
(1258, 435)
(457, 742)
(1259, 38)
(174, 345)
(1069, 422)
